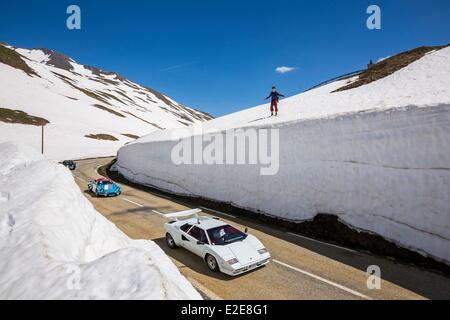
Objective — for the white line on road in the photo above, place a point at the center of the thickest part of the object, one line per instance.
(326, 243)
(218, 212)
(334, 284)
(82, 180)
(135, 203)
(142, 206)
(160, 213)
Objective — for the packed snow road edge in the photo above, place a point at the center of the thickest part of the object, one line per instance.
(54, 245)
(385, 172)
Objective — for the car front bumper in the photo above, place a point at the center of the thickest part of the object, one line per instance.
(109, 194)
(246, 268)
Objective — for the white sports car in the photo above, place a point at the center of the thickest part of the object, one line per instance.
(223, 247)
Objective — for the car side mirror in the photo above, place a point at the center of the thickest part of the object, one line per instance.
(184, 238)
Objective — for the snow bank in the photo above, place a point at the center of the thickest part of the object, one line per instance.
(377, 156)
(54, 245)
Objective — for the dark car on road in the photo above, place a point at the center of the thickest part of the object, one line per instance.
(69, 164)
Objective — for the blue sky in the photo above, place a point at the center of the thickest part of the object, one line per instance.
(220, 56)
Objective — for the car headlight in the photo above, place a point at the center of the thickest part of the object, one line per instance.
(262, 251)
(232, 261)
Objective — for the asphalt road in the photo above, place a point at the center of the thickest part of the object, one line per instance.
(302, 268)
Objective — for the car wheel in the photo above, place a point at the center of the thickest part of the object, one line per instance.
(170, 242)
(212, 263)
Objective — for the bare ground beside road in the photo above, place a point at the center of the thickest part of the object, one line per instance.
(302, 268)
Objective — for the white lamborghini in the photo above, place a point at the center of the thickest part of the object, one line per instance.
(223, 247)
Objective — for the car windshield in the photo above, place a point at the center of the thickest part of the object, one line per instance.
(105, 182)
(225, 235)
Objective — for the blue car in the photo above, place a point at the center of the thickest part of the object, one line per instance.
(104, 187)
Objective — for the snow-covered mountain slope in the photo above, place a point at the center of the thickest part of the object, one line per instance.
(87, 111)
(54, 245)
(377, 156)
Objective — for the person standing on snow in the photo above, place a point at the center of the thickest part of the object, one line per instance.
(275, 97)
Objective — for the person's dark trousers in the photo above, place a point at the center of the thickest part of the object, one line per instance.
(274, 106)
